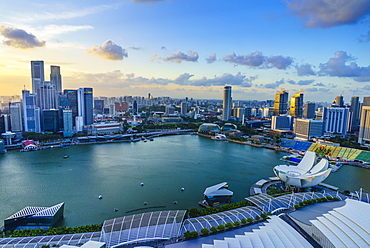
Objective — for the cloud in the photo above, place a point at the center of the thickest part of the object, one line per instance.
(305, 70)
(163, 48)
(118, 79)
(322, 90)
(273, 85)
(366, 87)
(183, 78)
(62, 15)
(252, 59)
(342, 65)
(329, 13)
(226, 79)
(136, 48)
(109, 50)
(280, 62)
(305, 82)
(291, 82)
(257, 59)
(365, 38)
(178, 57)
(18, 38)
(212, 58)
(319, 84)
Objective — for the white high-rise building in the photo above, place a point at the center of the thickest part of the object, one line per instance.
(306, 129)
(56, 78)
(227, 104)
(37, 74)
(336, 120)
(45, 95)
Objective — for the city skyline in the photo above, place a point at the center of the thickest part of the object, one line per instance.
(191, 49)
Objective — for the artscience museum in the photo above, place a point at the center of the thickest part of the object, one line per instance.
(307, 173)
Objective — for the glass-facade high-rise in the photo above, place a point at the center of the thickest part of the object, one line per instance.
(37, 74)
(226, 104)
(296, 105)
(56, 78)
(281, 102)
(73, 101)
(45, 95)
(354, 111)
(15, 109)
(50, 120)
(309, 110)
(85, 105)
(31, 113)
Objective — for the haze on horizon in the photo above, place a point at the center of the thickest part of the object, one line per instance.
(188, 48)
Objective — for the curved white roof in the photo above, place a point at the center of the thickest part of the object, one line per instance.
(346, 226)
(275, 233)
(306, 173)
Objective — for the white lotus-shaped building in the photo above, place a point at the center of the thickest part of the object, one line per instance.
(307, 173)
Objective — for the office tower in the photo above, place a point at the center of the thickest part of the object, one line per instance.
(336, 120)
(184, 108)
(73, 101)
(366, 101)
(169, 110)
(50, 120)
(37, 74)
(124, 106)
(45, 95)
(112, 110)
(31, 113)
(56, 78)
(85, 105)
(226, 104)
(296, 105)
(281, 102)
(309, 110)
(98, 106)
(15, 110)
(354, 112)
(135, 108)
(364, 133)
(67, 123)
(339, 101)
(4, 123)
(282, 122)
(307, 128)
(117, 106)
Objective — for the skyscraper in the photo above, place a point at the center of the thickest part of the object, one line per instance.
(339, 101)
(309, 110)
(37, 74)
(364, 133)
(85, 105)
(296, 105)
(184, 108)
(281, 102)
(50, 120)
(227, 104)
(73, 101)
(67, 123)
(31, 113)
(354, 111)
(15, 109)
(336, 120)
(56, 78)
(45, 95)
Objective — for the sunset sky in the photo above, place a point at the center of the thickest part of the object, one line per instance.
(190, 48)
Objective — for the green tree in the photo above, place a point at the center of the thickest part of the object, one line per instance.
(236, 223)
(244, 221)
(213, 229)
(204, 231)
(229, 225)
(250, 220)
(221, 227)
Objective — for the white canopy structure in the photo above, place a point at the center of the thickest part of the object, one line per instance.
(218, 190)
(306, 174)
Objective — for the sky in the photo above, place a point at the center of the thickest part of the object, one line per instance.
(190, 48)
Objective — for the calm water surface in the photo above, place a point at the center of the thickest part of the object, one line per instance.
(44, 178)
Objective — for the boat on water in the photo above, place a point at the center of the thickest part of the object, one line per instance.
(219, 137)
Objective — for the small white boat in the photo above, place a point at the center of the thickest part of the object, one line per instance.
(141, 184)
(182, 189)
(219, 137)
(100, 197)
